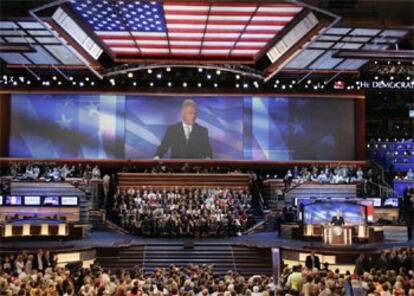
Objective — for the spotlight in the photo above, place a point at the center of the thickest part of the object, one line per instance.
(112, 81)
(245, 85)
(14, 82)
(168, 69)
(71, 78)
(375, 62)
(323, 86)
(237, 85)
(277, 81)
(199, 84)
(376, 77)
(200, 69)
(290, 85)
(283, 86)
(208, 76)
(74, 83)
(185, 84)
(4, 77)
(306, 86)
(134, 83)
(54, 78)
(81, 84)
(218, 72)
(237, 76)
(399, 63)
(275, 86)
(159, 76)
(149, 71)
(215, 84)
(28, 82)
(391, 77)
(389, 62)
(309, 81)
(151, 84)
(130, 75)
(92, 83)
(59, 82)
(293, 81)
(169, 84)
(408, 78)
(86, 78)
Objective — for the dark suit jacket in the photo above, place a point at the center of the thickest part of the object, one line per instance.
(338, 221)
(198, 145)
(36, 263)
(316, 264)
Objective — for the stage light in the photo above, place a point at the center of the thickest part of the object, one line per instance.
(15, 83)
(92, 83)
(169, 84)
(389, 62)
(86, 78)
(151, 84)
(376, 77)
(218, 72)
(245, 85)
(130, 75)
(315, 87)
(71, 78)
(54, 78)
(237, 76)
(149, 71)
(215, 84)
(237, 85)
(134, 83)
(185, 84)
(375, 62)
(74, 83)
(399, 63)
(358, 87)
(408, 78)
(208, 76)
(28, 82)
(200, 69)
(391, 77)
(168, 69)
(199, 84)
(59, 82)
(290, 85)
(159, 76)
(112, 81)
(306, 86)
(275, 86)
(81, 84)
(309, 81)
(293, 81)
(277, 81)
(4, 77)
(323, 86)
(283, 86)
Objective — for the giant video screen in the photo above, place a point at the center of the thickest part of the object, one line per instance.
(323, 212)
(181, 127)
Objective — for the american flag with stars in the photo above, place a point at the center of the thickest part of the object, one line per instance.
(188, 29)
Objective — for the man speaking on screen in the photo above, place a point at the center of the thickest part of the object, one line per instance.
(186, 139)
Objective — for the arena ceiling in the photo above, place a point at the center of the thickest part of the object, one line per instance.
(258, 39)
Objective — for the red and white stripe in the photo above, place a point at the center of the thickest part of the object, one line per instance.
(196, 29)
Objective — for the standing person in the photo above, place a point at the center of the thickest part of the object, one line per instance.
(408, 209)
(186, 139)
(312, 261)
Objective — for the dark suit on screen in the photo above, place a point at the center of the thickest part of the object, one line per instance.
(338, 221)
(197, 146)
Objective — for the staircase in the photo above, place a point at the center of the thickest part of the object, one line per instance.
(126, 258)
(252, 260)
(162, 255)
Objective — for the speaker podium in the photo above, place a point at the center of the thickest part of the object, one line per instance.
(337, 235)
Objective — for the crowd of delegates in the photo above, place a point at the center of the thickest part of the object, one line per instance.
(391, 274)
(52, 172)
(409, 175)
(183, 212)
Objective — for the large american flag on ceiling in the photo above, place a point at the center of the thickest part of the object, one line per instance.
(191, 29)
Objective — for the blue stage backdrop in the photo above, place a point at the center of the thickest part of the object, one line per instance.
(132, 127)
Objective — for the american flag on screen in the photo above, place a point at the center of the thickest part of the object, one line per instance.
(190, 29)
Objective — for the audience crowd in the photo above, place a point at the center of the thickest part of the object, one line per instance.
(183, 212)
(390, 273)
